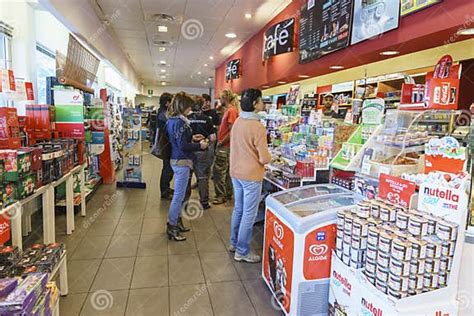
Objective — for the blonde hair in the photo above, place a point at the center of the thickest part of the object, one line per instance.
(227, 95)
(180, 103)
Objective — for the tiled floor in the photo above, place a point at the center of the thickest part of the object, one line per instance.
(121, 263)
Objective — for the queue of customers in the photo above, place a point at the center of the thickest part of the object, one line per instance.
(226, 143)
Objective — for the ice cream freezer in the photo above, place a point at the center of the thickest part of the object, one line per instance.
(300, 232)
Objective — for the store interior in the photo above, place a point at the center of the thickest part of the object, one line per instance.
(366, 207)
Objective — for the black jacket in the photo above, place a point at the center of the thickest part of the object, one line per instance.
(214, 116)
(201, 124)
(161, 119)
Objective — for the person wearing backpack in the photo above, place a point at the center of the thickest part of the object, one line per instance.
(166, 171)
(183, 146)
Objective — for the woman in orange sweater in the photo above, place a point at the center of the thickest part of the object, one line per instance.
(248, 156)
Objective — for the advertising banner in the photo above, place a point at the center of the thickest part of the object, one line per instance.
(317, 254)
(344, 293)
(278, 39)
(325, 27)
(232, 70)
(411, 6)
(132, 123)
(278, 258)
(69, 113)
(373, 111)
(373, 18)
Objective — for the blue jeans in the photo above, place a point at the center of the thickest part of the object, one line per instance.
(181, 182)
(247, 198)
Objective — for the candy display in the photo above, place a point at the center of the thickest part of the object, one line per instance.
(403, 252)
(23, 298)
(449, 180)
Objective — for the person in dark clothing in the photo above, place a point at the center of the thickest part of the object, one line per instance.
(184, 145)
(201, 124)
(166, 171)
(209, 111)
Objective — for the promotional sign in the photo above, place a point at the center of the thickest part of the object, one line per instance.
(11, 80)
(4, 229)
(411, 6)
(373, 18)
(278, 39)
(344, 289)
(69, 113)
(317, 254)
(278, 258)
(446, 202)
(373, 111)
(293, 95)
(232, 70)
(325, 27)
(30, 96)
(396, 190)
(132, 133)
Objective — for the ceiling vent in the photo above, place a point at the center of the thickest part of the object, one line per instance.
(161, 43)
(162, 17)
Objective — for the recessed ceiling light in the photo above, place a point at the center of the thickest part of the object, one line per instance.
(199, 72)
(265, 87)
(162, 49)
(163, 70)
(337, 67)
(149, 95)
(205, 65)
(281, 82)
(205, 82)
(389, 53)
(163, 62)
(248, 15)
(210, 78)
(303, 76)
(231, 35)
(162, 28)
(211, 57)
(163, 77)
(469, 31)
(163, 83)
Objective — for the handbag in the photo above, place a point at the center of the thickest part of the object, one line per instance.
(162, 146)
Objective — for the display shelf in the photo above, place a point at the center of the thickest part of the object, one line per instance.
(268, 179)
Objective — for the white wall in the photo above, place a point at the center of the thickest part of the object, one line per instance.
(153, 101)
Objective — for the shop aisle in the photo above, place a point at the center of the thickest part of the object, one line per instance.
(121, 263)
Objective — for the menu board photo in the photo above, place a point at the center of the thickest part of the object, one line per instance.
(411, 6)
(372, 18)
(325, 27)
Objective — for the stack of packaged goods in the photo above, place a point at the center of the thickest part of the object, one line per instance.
(403, 252)
(32, 295)
(18, 177)
(38, 258)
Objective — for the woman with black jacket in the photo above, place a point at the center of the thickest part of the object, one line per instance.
(183, 145)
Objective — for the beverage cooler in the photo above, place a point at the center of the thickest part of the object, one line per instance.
(300, 233)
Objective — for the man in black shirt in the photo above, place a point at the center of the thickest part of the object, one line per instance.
(202, 124)
(166, 172)
(212, 113)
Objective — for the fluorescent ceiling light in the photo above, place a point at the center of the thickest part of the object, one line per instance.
(162, 28)
(248, 15)
(389, 53)
(162, 49)
(163, 70)
(163, 77)
(231, 35)
(337, 67)
(469, 31)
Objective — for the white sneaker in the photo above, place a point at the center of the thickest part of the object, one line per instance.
(250, 258)
(231, 249)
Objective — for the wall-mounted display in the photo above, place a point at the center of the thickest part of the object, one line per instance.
(278, 39)
(232, 70)
(411, 6)
(324, 28)
(373, 18)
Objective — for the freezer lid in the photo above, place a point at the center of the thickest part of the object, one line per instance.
(302, 194)
(320, 204)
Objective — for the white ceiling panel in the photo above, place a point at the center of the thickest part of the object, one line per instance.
(197, 32)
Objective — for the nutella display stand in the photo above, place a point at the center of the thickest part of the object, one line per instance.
(300, 233)
(351, 293)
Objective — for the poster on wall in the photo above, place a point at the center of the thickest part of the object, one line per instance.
(293, 95)
(232, 70)
(278, 39)
(372, 18)
(325, 27)
(411, 6)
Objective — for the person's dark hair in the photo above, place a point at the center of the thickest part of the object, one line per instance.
(198, 103)
(249, 98)
(180, 103)
(207, 97)
(164, 99)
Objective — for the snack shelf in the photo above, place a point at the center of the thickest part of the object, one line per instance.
(266, 178)
(61, 267)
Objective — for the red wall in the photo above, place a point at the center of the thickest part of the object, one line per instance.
(425, 29)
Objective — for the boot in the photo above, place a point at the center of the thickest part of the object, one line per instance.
(181, 227)
(174, 233)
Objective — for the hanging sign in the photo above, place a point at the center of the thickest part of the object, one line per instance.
(69, 113)
(232, 70)
(30, 96)
(372, 111)
(11, 80)
(278, 39)
(396, 190)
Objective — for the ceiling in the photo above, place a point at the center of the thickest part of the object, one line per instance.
(197, 33)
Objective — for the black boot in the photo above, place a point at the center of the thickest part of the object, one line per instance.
(174, 233)
(181, 227)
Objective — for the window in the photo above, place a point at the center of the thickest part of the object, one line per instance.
(45, 67)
